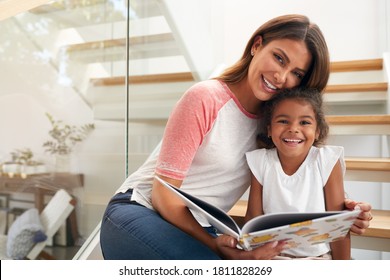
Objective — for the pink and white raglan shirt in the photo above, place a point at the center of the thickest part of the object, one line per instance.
(204, 144)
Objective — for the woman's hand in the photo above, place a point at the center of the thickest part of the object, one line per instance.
(227, 248)
(363, 221)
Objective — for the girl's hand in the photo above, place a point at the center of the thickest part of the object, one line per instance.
(363, 221)
(227, 248)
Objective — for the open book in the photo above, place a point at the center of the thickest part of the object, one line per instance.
(298, 229)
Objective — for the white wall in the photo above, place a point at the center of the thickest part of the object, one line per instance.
(351, 27)
(354, 29)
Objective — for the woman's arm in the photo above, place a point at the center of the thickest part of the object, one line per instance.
(172, 209)
(334, 201)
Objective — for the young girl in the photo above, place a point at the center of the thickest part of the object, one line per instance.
(292, 173)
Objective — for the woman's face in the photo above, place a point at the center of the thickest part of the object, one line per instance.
(281, 63)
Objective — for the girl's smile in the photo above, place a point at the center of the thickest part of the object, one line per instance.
(293, 130)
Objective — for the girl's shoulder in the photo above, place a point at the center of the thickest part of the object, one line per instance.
(326, 158)
(329, 150)
(260, 154)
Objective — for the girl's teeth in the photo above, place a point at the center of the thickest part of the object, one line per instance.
(293, 140)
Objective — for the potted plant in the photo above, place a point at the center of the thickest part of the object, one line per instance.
(13, 166)
(64, 138)
(23, 163)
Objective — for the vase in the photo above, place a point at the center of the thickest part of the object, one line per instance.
(11, 168)
(63, 163)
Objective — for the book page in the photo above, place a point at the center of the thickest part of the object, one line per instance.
(301, 232)
(274, 220)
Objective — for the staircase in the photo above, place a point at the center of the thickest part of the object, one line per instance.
(358, 98)
(158, 70)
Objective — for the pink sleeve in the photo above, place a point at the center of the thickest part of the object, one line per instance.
(190, 120)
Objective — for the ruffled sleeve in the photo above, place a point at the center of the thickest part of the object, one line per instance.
(256, 161)
(329, 155)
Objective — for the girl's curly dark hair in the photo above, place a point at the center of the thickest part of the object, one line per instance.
(267, 108)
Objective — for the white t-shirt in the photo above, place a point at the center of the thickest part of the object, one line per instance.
(301, 192)
(204, 144)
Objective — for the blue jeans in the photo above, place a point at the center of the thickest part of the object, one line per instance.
(132, 231)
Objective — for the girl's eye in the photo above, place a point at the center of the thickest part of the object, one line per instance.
(305, 122)
(282, 121)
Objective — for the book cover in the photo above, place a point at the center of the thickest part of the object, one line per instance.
(298, 229)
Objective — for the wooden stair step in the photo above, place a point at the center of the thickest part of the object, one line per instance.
(379, 225)
(121, 42)
(368, 164)
(141, 47)
(358, 119)
(155, 78)
(357, 65)
(367, 169)
(146, 8)
(103, 44)
(368, 87)
(359, 124)
(62, 6)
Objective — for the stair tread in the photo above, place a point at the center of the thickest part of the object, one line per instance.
(356, 65)
(356, 87)
(62, 6)
(358, 119)
(367, 163)
(379, 225)
(154, 78)
(121, 42)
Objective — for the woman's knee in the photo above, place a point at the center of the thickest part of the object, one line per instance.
(140, 233)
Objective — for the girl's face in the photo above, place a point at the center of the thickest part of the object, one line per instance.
(293, 128)
(279, 64)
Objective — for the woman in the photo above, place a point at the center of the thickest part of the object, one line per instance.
(203, 151)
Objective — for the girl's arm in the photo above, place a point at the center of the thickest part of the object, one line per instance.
(364, 218)
(334, 201)
(255, 201)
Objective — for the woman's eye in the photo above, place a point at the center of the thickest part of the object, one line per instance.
(298, 75)
(279, 58)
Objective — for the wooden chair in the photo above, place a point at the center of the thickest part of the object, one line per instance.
(52, 217)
